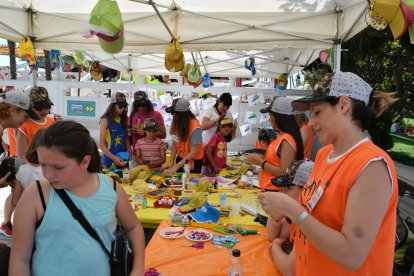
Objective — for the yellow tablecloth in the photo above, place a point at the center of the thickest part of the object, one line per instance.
(151, 217)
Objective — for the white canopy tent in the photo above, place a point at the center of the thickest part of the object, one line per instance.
(283, 35)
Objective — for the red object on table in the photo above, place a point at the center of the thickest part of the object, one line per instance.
(169, 257)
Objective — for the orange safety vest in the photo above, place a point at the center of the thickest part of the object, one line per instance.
(259, 145)
(11, 132)
(30, 127)
(184, 147)
(340, 175)
(307, 147)
(265, 176)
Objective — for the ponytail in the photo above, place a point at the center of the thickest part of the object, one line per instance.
(381, 101)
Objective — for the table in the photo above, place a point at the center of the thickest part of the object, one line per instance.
(170, 258)
(151, 217)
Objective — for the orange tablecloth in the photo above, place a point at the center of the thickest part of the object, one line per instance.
(170, 258)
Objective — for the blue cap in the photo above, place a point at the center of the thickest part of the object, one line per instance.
(249, 64)
(207, 213)
(206, 80)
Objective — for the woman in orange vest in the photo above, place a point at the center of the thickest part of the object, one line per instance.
(306, 133)
(187, 142)
(346, 218)
(286, 148)
(263, 139)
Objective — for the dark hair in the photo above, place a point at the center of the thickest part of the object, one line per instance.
(148, 105)
(112, 114)
(264, 135)
(31, 153)
(73, 140)
(181, 123)
(287, 123)
(225, 98)
(228, 137)
(380, 102)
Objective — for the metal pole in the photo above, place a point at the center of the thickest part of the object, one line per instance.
(337, 56)
(33, 38)
(202, 62)
(129, 75)
(161, 18)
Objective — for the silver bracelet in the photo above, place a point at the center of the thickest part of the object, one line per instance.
(301, 218)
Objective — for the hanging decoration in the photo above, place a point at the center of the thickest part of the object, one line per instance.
(26, 51)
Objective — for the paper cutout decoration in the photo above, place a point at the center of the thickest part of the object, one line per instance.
(26, 51)
(255, 99)
(245, 129)
(264, 118)
(250, 118)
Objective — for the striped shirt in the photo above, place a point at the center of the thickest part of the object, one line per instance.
(151, 151)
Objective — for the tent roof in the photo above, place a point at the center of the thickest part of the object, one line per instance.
(287, 27)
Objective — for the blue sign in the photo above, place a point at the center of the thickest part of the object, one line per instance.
(81, 108)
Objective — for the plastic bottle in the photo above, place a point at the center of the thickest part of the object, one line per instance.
(186, 175)
(223, 200)
(235, 267)
(144, 203)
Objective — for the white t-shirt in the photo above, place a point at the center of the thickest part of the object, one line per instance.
(212, 114)
(28, 174)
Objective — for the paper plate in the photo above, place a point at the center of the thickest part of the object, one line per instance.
(172, 232)
(198, 235)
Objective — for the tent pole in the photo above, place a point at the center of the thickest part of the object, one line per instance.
(33, 38)
(337, 55)
(129, 75)
(202, 62)
(161, 18)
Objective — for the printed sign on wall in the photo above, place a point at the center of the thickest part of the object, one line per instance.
(81, 108)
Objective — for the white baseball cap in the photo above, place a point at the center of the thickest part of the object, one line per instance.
(282, 105)
(21, 100)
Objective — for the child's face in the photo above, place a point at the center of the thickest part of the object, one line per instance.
(225, 130)
(61, 171)
(150, 133)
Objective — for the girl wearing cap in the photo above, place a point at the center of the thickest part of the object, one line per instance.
(113, 128)
(150, 150)
(216, 150)
(186, 139)
(142, 109)
(286, 148)
(306, 133)
(214, 114)
(346, 218)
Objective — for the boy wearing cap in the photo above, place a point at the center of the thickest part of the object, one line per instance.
(150, 150)
(279, 231)
(346, 218)
(41, 104)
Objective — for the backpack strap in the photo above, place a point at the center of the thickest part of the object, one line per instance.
(77, 215)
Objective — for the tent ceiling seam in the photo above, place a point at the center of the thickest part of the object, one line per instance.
(11, 29)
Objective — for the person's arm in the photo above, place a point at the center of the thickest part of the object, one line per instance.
(173, 155)
(17, 192)
(285, 263)
(24, 223)
(21, 146)
(208, 123)
(162, 132)
(274, 228)
(129, 221)
(138, 155)
(128, 143)
(367, 203)
(102, 134)
(304, 136)
(287, 155)
(189, 156)
(210, 158)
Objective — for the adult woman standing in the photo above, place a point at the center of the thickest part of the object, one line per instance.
(346, 220)
(306, 133)
(142, 109)
(211, 117)
(286, 148)
(113, 131)
(186, 139)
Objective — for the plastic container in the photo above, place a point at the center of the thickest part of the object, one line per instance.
(144, 203)
(223, 201)
(165, 202)
(235, 266)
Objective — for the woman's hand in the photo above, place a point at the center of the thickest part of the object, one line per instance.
(255, 159)
(166, 166)
(171, 170)
(276, 204)
(3, 181)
